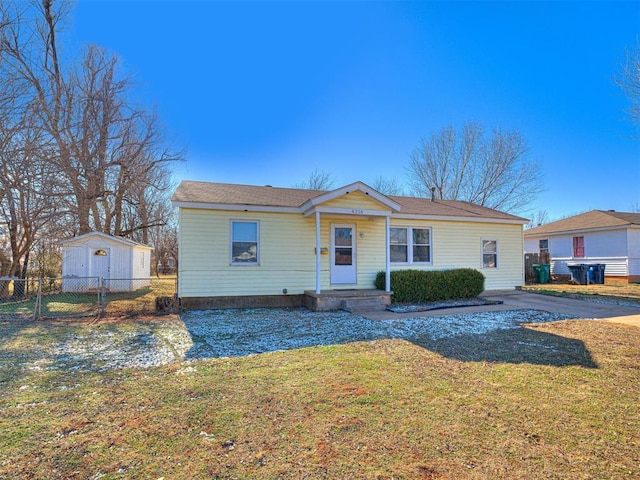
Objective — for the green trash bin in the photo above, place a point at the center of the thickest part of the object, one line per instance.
(542, 272)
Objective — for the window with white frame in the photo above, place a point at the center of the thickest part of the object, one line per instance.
(543, 246)
(244, 242)
(489, 253)
(578, 247)
(410, 245)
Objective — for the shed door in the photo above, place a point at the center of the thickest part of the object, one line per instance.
(343, 254)
(100, 263)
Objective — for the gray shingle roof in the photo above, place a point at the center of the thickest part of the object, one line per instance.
(587, 221)
(251, 195)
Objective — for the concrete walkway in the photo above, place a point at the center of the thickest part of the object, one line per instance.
(519, 300)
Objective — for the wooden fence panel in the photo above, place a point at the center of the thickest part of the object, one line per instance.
(531, 259)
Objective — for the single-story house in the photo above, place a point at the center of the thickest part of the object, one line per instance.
(243, 245)
(87, 259)
(596, 237)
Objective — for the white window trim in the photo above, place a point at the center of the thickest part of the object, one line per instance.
(540, 250)
(244, 264)
(409, 230)
(573, 248)
(482, 253)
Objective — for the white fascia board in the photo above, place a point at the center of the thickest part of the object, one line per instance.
(457, 219)
(353, 187)
(573, 232)
(237, 208)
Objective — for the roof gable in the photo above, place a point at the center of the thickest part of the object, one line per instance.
(326, 197)
(595, 219)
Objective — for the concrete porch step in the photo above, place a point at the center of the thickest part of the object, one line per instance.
(347, 299)
(363, 304)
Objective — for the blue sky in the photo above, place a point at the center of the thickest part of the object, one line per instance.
(266, 92)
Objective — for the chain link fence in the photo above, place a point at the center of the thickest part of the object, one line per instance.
(86, 296)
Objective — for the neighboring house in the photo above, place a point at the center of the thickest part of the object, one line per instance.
(242, 245)
(122, 263)
(606, 237)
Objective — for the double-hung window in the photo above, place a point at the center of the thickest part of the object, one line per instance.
(543, 246)
(245, 242)
(578, 247)
(410, 245)
(489, 254)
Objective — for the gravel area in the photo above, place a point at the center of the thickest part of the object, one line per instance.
(237, 333)
(425, 307)
(222, 333)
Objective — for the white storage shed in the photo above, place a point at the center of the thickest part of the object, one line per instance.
(123, 264)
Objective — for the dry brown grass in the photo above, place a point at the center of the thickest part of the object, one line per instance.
(630, 292)
(555, 401)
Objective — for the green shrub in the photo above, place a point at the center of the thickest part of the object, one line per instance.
(414, 286)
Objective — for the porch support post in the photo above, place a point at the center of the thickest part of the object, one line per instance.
(318, 252)
(387, 268)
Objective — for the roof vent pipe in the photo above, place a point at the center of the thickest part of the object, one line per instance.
(433, 194)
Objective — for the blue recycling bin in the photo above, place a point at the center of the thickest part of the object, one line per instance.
(596, 273)
(579, 273)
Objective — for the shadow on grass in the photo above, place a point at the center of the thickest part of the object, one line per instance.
(516, 345)
(226, 334)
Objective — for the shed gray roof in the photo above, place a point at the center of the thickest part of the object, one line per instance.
(122, 240)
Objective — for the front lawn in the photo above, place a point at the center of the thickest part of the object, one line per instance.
(556, 400)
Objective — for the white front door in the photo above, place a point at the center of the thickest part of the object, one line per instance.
(343, 254)
(100, 263)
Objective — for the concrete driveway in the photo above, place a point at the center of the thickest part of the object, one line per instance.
(568, 306)
(519, 300)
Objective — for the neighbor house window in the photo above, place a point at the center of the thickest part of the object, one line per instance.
(410, 245)
(244, 243)
(489, 253)
(543, 246)
(578, 247)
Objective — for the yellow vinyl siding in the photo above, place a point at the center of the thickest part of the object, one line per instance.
(287, 251)
(459, 245)
(355, 200)
(287, 258)
(370, 249)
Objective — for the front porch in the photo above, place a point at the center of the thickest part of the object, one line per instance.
(351, 300)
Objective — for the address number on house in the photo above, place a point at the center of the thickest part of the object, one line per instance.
(357, 212)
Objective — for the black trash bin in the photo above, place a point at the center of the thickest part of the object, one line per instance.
(596, 273)
(579, 273)
(542, 273)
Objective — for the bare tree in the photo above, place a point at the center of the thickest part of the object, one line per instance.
(165, 251)
(494, 172)
(629, 80)
(388, 186)
(104, 146)
(541, 217)
(73, 146)
(28, 183)
(317, 180)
